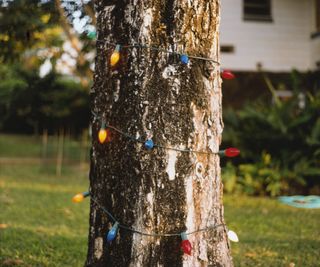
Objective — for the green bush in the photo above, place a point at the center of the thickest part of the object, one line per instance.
(279, 143)
(30, 103)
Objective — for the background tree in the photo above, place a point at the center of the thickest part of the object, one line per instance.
(26, 26)
(151, 94)
(39, 35)
(29, 103)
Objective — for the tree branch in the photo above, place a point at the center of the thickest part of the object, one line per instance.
(90, 12)
(74, 40)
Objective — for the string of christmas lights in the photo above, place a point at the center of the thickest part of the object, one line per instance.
(112, 233)
(149, 144)
(184, 57)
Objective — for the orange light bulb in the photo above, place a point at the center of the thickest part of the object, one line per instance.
(78, 198)
(115, 56)
(102, 135)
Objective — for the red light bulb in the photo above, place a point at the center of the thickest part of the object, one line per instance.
(227, 74)
(185, 244)
(231, 152)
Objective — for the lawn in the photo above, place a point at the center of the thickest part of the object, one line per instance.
(40, 226)
(273, 234)
(24, 146)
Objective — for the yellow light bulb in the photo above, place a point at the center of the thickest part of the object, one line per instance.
(78, 198)
(102, 135)
(115, 56)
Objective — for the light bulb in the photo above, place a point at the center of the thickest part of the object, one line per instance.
(102, 135)
(229, 152)
(233, 236)
(184, 59)
(149, 144)
(232, 152)
(185, 244)
(227, 74)
(79, 197)
(115, 56)
(92, 35)
(113, 232)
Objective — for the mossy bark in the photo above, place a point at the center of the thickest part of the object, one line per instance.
(151, 94)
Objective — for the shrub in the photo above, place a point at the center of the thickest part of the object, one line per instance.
(279, 143)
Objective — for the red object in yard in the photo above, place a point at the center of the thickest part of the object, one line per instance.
(232, 152)
(227, 74)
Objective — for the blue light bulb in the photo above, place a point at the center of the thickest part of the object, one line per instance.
(149, 144)
(92, 35)
(184, 59)
(113, 232)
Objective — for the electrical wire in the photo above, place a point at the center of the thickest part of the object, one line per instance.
(212, 227)
(154, 48)
(139, 140)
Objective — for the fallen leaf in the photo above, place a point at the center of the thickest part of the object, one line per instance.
(251, 254)
(67, 211)
(12, 262)
(268, 253)
(6, 199)
(3, 226)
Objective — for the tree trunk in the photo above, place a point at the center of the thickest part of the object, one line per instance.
(151, 94)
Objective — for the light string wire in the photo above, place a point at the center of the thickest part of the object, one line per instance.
(139, 140)
(212, 227)
(154, 48)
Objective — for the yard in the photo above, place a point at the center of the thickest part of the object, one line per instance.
(40, 226)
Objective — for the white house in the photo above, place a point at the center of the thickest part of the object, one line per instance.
(273, 35)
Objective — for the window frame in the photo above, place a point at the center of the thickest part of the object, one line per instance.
(227, 49)
(317, 15)
(257, 17)
(316, 33)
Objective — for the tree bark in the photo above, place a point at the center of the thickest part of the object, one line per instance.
(151, 94)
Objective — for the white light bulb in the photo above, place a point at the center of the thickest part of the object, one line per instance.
(233, 236)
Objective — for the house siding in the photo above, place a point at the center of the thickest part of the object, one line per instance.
(279, 45)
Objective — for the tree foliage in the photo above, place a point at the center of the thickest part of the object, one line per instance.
(279, 142)
(23, 26)
(30, 103)
(34, 32)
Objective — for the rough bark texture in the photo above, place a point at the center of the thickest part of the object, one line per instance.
(151, 94)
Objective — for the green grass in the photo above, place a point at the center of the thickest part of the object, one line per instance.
(44, 228)
(271, 233)
(24, 146)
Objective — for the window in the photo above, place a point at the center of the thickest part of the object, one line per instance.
(316, 33)
(227, 49)
(317, 15)
(257, 10)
